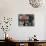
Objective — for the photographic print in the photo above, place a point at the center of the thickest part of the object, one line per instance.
(26, 20)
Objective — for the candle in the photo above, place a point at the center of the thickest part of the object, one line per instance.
(7, 35)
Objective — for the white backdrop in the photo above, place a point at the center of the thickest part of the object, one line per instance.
(12, 8)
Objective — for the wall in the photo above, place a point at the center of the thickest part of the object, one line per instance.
(7, 9)
(12, 8)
